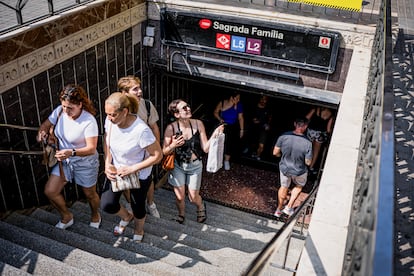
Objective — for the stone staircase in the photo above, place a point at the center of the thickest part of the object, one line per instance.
(225, 245)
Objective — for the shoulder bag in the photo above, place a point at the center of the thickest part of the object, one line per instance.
(215, 153)
(50, 146)
(167, 162)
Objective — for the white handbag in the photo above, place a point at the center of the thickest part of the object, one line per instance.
(215, 153)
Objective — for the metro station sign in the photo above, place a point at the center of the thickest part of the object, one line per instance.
(290, 45)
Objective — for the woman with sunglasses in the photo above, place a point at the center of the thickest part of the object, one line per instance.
(188, 138)
(77, 132)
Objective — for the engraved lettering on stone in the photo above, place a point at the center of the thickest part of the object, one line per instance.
(42, 59)
(11, 74)
(358, 40)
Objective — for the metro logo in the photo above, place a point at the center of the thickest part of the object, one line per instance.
(223, 41)
(205, 23)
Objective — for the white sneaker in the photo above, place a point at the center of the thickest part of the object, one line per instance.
(288, 211)
(278, 213)
(152, 210)
(226, 165)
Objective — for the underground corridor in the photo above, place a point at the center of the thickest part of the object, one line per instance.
(252, 183)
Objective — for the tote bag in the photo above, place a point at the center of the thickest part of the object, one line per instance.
(215, 153)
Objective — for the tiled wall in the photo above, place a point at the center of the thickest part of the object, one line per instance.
(22, 176)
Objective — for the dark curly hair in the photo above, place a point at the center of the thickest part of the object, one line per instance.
(76, 94)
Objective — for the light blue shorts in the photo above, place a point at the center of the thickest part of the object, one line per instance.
(186, 174)
(297, 180)
(80, 170)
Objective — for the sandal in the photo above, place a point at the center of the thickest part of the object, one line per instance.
(97, 224)
(63, 226)
(202, 214)
(180, 219)
(138, 238)
(120, 228)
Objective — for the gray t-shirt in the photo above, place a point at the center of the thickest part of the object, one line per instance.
(295, 149)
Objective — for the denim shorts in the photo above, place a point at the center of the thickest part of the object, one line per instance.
(81, 170)
(186, 174)
(297, 180)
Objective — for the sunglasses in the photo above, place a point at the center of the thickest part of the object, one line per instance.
(186, 107)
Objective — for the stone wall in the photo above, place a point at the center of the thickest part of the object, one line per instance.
(93, 48)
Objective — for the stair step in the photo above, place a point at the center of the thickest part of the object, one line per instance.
(237, 222)
(104, 234)
(215, 219)
(7, 269)
(85, 253)
(161, 233)
(26, 261)
(227, 215)
(252, 243)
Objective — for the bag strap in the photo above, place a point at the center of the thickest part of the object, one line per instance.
(61, 171)
(108, 151)
(148, 107)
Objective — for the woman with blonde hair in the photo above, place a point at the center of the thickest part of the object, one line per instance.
(132, 148)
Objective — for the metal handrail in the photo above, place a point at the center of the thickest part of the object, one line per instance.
(21, 152)
(370, 244)
(51, 11)
(19, 127)
(262, 260)
(384, 229)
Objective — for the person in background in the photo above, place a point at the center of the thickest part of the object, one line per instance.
(77, 132)
(295, 151)
(259, 130)
(230, 113)
(147, 113)
(133, 148)
(188, 138)
(319, 130)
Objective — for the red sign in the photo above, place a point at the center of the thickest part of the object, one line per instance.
(223, 41)
(204, 23)
(324, 42)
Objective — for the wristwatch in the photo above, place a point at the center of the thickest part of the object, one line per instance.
(73, 152)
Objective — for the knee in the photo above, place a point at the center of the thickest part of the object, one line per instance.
(50, 191)
(139, 212)
(193, 197)
(91, 195)
(109, 207)
(179, 199)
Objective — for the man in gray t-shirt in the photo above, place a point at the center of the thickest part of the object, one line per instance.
(295, 150)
